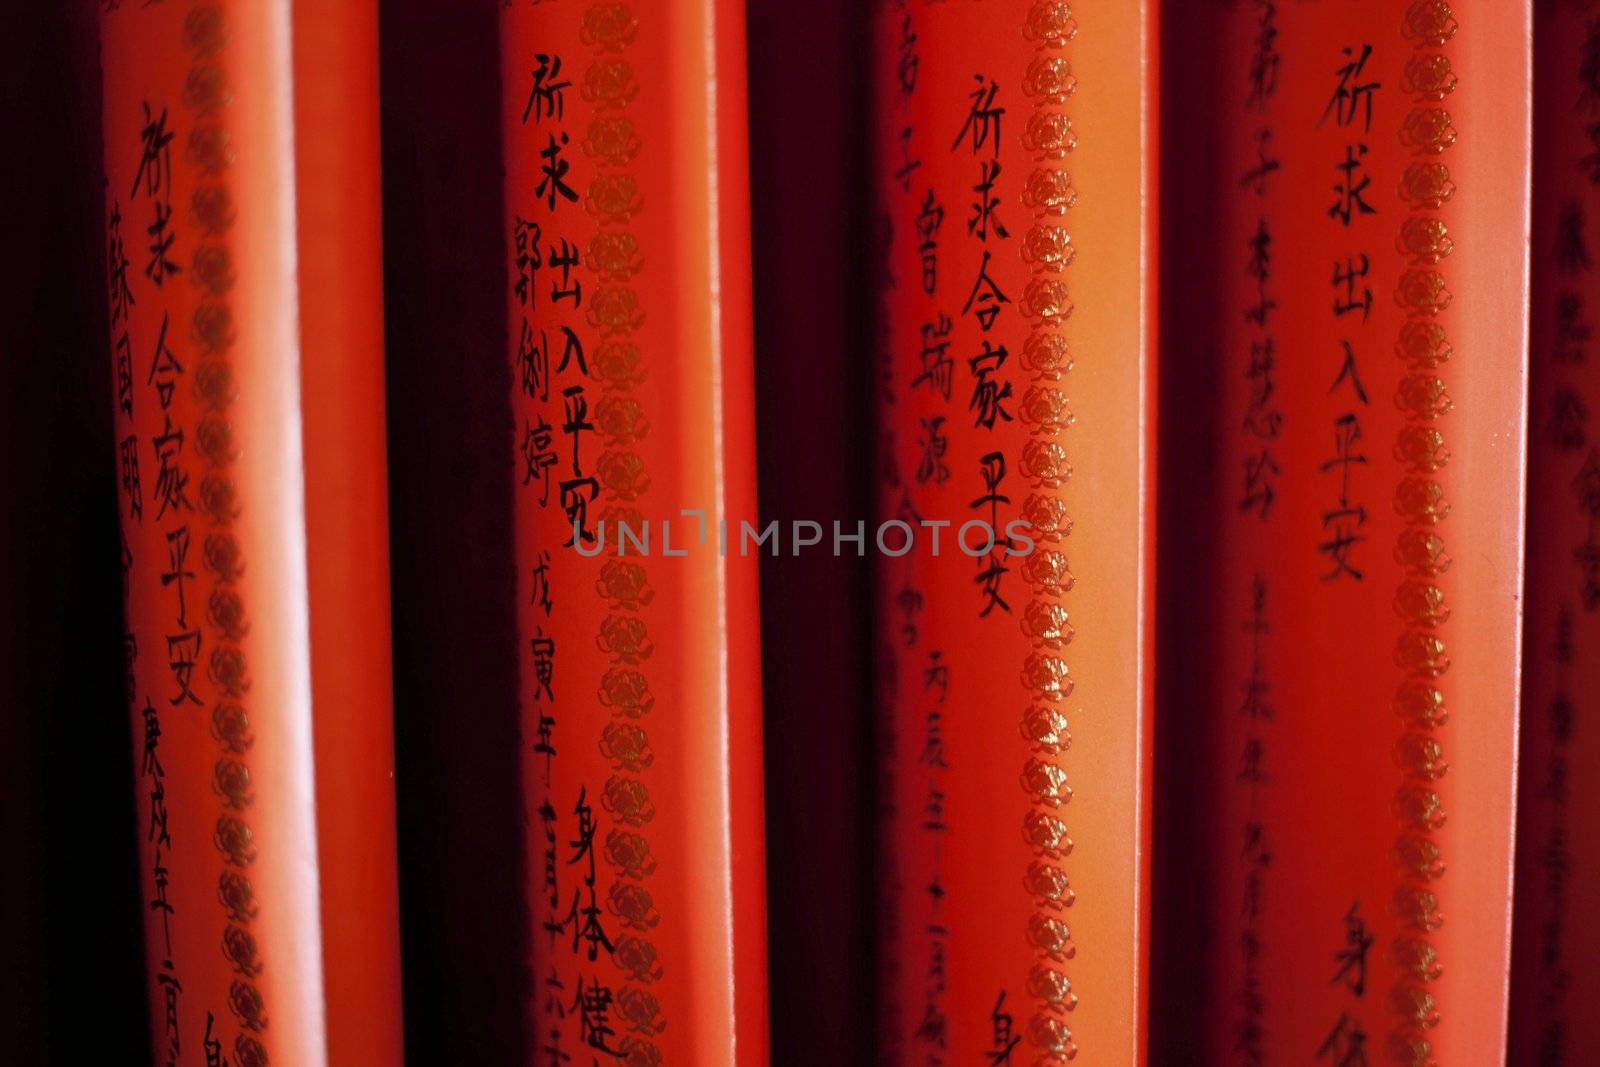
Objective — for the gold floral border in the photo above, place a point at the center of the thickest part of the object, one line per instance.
(1047, 251)
(1423, 293)
(207, 94)
(616, 313)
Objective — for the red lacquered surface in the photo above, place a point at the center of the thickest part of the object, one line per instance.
(1016, 180)
(627, 224)
(254, 679)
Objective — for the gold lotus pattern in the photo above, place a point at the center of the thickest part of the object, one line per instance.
(617, 312)
(210, 150)
(1047, 251)
(1421, 653)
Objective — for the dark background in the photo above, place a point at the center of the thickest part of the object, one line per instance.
(71, 954)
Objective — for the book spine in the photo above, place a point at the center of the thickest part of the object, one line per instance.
(627, 237)
(224, 481)
(1360, 306)
(1015, 179)
(1558, 837)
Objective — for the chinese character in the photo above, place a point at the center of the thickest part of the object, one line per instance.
(565, 257)
(548, 95)
(1346, 1044)
(1348, 200)
(117, 269)
(129, 452)
(164, 367)
(1352, 955)
(988, 396)
(594, 1006)
(1352, 95)
(544, 665)
(929, 219)
(987, 295)
(177, 553)
(1256, 177)
(554, 169)
(1347, 277)
(1003, 1039)
(983, 119)
(155, 162)
(983, 209)
(536, 442)
(171, 479)
(1259, 486)
(936, 365)
(183, 652)
(525, 239)
(1264, 61)
(541, 583)
(931, 467)
(909, 62)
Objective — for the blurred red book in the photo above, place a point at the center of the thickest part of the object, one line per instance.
(1347, 305)
(1558, 836)
(244, 277)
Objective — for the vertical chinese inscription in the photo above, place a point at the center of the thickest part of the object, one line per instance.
(1261, 430)
(977, 200)
(1352, 99)
(576, 365)
(915, 982)
(1349, 110)
(932, 388)
(1346, 1042)
(171, 348)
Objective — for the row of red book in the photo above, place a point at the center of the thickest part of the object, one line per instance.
(1000, 531)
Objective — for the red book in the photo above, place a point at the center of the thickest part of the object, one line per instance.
(627, 233)
(1558, 831)
(244, 275)
(1348, 299)
(1016, 179)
